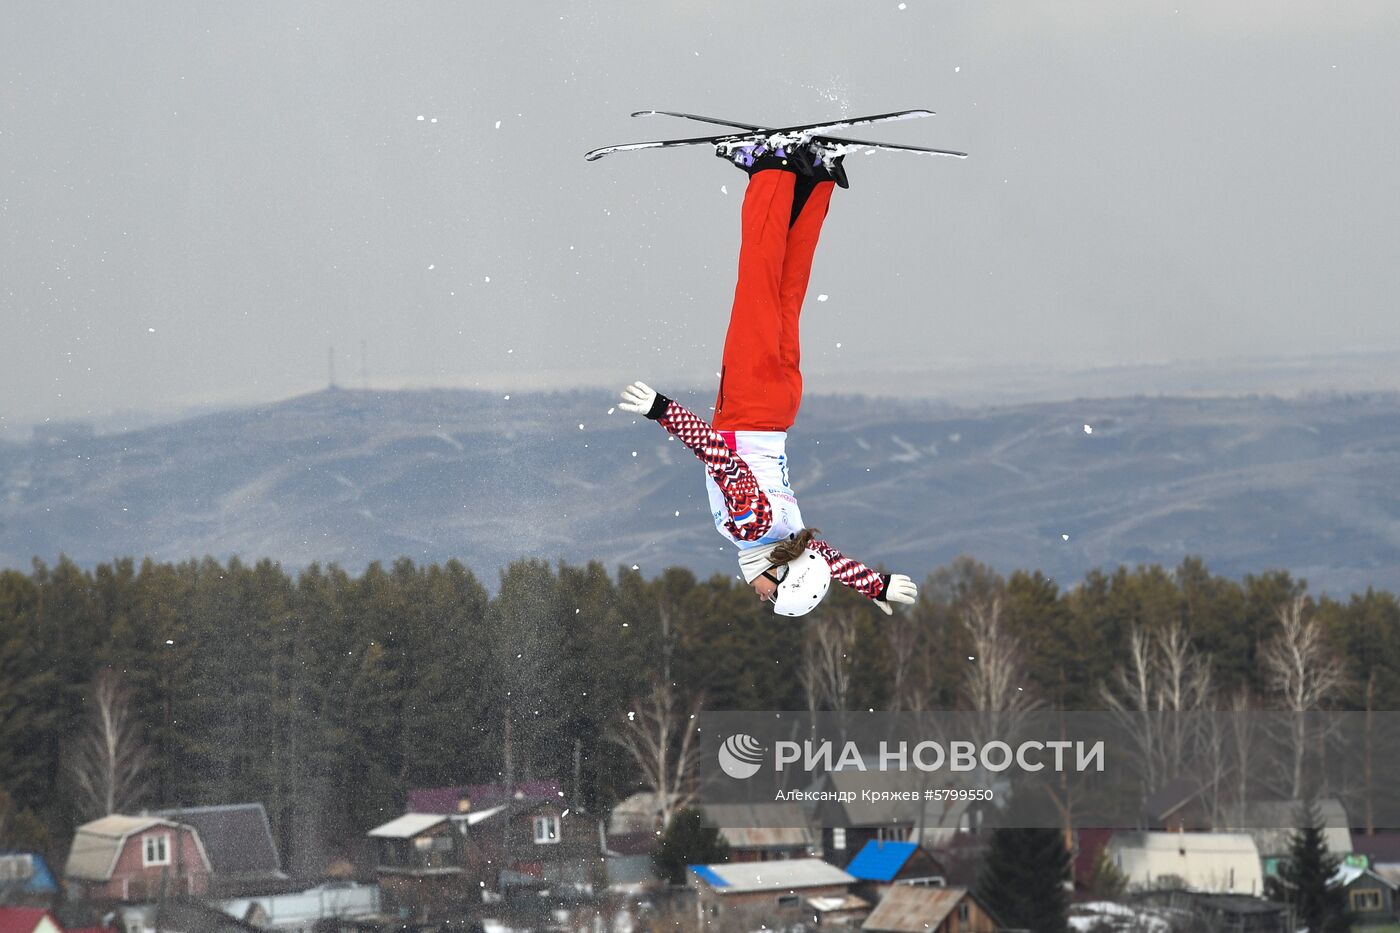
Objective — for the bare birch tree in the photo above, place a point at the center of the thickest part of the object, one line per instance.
(994, 685)
(110, 764)
(1305, 674)
(1164, 674)
(660, 738)
(826, 661)
(903, 640)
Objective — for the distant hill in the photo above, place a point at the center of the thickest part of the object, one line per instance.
(1251, 484)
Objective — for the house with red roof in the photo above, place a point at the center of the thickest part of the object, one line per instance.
(27, 920)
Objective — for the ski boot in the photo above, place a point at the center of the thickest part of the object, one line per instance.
(828, 163)
(757, 156)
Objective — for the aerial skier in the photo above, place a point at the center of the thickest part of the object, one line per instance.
(760, 389)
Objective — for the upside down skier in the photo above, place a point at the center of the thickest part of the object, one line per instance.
(760, 389)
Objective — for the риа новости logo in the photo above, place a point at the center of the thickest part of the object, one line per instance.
(741, 756)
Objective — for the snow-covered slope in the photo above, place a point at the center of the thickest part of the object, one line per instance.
(1251, 484)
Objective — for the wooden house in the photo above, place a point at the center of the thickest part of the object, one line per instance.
(917, 909)
(243, 857)
(1371, 898)
(763, 832)
(768, 892)
(421, 864)
(136, 858)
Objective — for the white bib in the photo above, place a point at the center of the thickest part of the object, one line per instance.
(765, 454)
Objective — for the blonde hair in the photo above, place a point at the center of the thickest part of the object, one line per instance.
(792, 548)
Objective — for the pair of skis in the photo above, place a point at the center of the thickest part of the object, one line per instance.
(748, 134)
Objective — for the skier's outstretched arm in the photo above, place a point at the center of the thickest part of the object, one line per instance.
(750, 514)
(880, 588)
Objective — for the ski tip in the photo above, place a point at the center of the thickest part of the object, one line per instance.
(645, 113)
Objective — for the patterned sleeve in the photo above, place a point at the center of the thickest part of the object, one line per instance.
(750, 514)
(850, 572)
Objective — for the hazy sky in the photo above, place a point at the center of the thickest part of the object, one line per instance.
(197, 199)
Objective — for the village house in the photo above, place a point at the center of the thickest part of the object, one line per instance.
(1220, 863)
(537, 843)
(763, 832)
(918, 909)
(772, 892)
(421, 863)
(880, 865)
(25, 880)
(237, 838)
(136, 858)
(1370, 896)
(430, 862)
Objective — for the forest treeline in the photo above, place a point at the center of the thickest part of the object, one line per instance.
(327, 695)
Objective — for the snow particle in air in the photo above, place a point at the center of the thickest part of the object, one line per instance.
(498, 123)
(723, 189)
(611, 410)
(904, 6)
(838, 344)
(507, 398)
(957, 68)
(634, 453)
(678, 513)
(823, 297)
(431, 267)
(580, 427)
(487, 277)
(1088, 429)
(1064, 537)
(635, 567)
(421, 118)
(150, 330)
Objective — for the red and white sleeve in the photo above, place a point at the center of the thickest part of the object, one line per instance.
(852, 573)
(750, 513)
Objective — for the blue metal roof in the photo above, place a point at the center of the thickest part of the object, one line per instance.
(880, 861)
(704, 873)
(33, 873)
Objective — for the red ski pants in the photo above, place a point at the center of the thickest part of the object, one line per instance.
(760, 384)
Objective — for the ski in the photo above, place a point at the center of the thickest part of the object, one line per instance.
(699, 119)
(786, 135)
(852, 144)
(846, 146)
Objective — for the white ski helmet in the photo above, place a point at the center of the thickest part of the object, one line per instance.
(803, 587)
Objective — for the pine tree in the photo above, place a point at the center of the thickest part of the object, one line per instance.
(1023, 879)
(1319, 902)
(689, 840)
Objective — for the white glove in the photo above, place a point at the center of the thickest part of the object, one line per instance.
(900, 590)
(637, 398)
